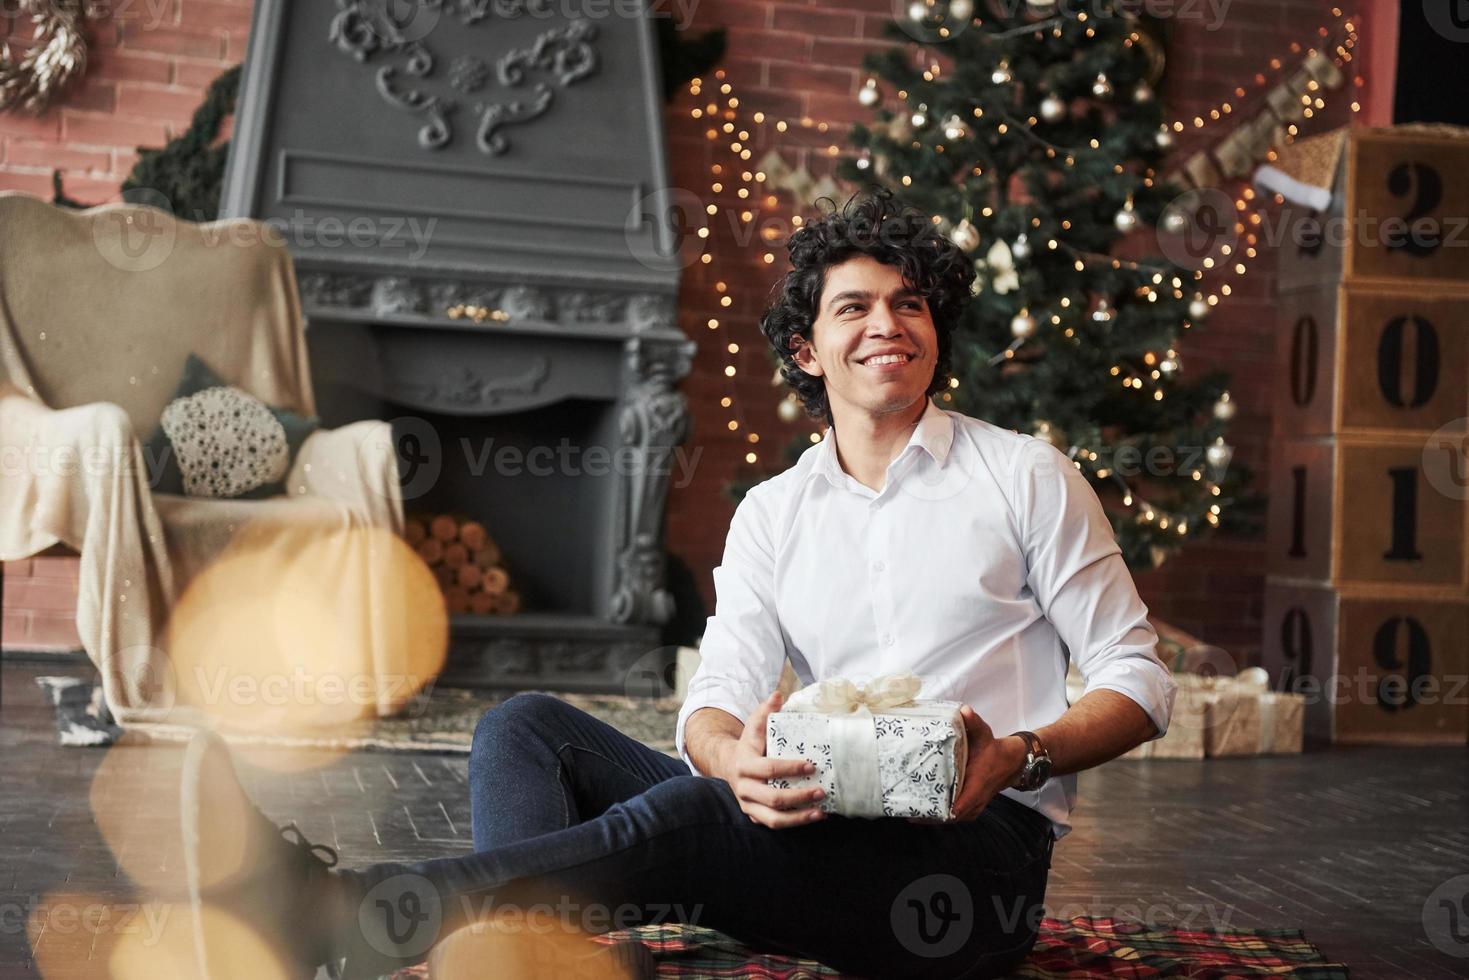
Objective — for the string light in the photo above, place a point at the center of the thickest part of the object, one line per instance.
(1251, 214)
(1221, 110)
(731, 401)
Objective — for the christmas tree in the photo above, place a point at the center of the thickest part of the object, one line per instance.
(1033, 138)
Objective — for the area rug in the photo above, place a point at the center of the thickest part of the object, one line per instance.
(439, 720)
(1082, 947)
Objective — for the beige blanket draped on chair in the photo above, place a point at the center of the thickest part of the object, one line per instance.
(98, 312)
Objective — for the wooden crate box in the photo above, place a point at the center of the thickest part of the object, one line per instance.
(1366, 512)
(1373, 667)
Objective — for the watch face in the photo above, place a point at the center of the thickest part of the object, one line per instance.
(1042, 772)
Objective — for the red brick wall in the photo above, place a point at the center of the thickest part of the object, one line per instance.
(789, 60)
(150, 62)
(40, 604)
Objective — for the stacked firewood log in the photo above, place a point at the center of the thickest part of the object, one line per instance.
(467, 563)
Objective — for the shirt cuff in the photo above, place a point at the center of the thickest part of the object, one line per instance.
(726, 705)
(1150, 687)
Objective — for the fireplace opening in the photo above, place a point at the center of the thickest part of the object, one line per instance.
(542, 482)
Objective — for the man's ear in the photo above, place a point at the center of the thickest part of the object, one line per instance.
(804, 358)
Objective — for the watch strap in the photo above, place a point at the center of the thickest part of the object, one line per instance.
(1034, 751)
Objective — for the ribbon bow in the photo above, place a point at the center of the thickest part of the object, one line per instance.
(840, 696)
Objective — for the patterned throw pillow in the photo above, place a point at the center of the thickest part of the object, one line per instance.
(216, 440)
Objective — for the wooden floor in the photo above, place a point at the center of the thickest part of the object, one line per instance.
(1348, 845)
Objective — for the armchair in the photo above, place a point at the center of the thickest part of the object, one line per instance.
(99, 309)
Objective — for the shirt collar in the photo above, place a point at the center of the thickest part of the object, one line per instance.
(934, 433)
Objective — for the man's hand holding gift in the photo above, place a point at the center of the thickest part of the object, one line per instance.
(993, 764)
(748, 770)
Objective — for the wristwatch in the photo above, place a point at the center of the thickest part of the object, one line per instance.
(1037, 768)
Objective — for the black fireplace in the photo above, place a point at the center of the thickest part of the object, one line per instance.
(475, 194)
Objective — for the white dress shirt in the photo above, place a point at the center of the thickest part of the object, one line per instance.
(984, 553)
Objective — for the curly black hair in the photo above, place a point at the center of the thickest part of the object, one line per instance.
(879, 226)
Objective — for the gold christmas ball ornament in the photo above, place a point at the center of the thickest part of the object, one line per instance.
(917, 11)
(1224, 407)
(965, 235)
(1020, 248)
(1169, 365)
(1174, 221)
(961, 10)
(1126, 219)
(1052, 108)
(1023, 325)
(954, 128)
(1001, 74)
(1103, 312)
(1164, 139)
(789, 409)
(1101, 88)
(1042, 429)
(869, 95)
(1219, 452)
(1197, 308)
(1143, 93)
(920, 116)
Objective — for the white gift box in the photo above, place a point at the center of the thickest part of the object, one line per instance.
(877, 752)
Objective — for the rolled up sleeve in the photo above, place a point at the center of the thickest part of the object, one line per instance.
(743, 649)
(1077, 574)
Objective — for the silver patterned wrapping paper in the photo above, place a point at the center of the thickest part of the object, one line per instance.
(921, 749)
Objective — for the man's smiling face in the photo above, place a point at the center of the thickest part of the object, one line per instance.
(873, 339)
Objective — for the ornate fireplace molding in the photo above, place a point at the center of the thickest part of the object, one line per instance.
(652, 422)
(616, 312)
(366, 28)
(466, 389)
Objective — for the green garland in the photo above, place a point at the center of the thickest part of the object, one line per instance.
(186, 176)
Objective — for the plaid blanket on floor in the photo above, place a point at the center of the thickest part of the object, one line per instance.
(1082, 947)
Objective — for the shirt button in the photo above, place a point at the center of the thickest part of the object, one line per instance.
(878, 566)
(887, 639)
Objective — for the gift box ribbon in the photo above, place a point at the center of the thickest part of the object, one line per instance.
(1267, 724)
(840, 696)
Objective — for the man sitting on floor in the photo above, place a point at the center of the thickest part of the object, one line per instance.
(910, 539)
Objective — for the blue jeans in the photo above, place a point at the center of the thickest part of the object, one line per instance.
(572, 816)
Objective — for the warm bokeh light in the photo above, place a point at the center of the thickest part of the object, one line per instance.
(164, 949)
(293, 631)
(236, 951)
(135, 801)
(520, 948)
(79, 935)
